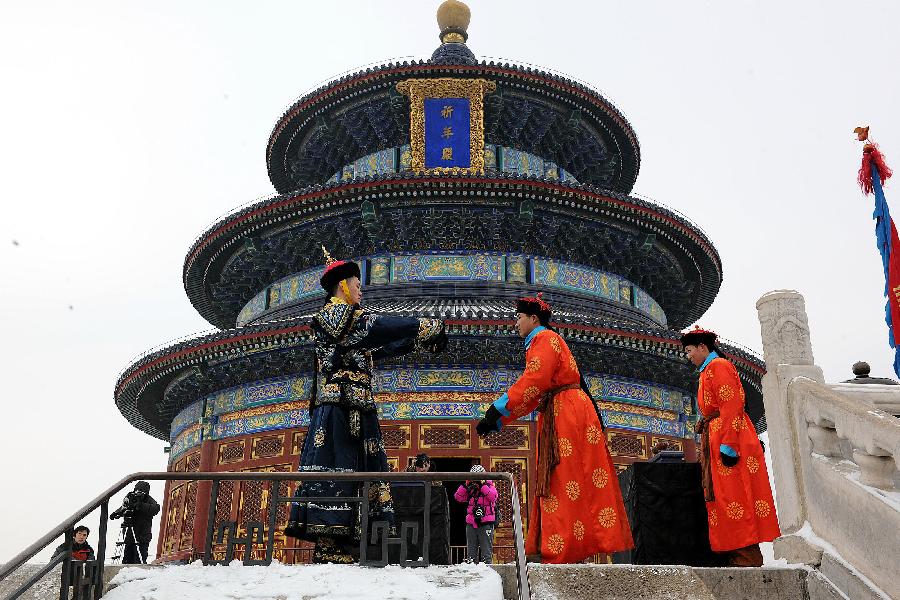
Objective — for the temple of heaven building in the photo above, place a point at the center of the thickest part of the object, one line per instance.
(458, 185)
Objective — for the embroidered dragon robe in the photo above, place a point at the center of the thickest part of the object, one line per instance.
(344, 434)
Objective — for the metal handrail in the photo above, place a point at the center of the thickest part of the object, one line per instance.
(102, 502)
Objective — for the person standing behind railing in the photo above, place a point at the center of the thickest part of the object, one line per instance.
(137, 511)
(480, 497)
(81, 549)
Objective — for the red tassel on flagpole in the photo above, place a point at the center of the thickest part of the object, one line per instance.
(871, 154)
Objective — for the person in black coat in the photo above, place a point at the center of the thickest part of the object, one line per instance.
(138, 509)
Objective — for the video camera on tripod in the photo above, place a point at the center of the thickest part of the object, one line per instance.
(126, 511)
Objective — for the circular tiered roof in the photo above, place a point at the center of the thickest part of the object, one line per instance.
(544, 114)
(660, 251)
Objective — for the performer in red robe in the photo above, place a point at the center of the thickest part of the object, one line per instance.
(578, 510)
(739, 502)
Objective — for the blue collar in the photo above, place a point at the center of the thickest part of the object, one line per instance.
(531, 335)
(708, 360)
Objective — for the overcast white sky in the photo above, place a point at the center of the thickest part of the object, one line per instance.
(128, 127)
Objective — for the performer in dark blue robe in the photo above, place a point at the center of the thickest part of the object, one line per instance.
(344, 434)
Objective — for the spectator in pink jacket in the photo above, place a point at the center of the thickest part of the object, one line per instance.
(481, 499)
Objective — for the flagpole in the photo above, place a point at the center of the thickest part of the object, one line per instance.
(871, 177)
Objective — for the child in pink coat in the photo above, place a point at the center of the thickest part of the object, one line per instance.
(481, 499)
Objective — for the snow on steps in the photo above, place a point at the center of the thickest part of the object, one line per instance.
(462, 582)
(307, 582)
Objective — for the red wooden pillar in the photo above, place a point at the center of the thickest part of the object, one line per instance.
(201, 506)
(160, 538)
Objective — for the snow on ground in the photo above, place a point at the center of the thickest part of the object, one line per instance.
(306, 582)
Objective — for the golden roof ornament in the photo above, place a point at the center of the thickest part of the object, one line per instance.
(453, 19)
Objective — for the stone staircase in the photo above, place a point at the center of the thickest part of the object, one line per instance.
(598, 582)
(638, 582)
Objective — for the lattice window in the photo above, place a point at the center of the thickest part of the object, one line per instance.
(504, 554)
(179, 465)
(508, 437)
(297, 442)
(193, 462)
(231, 452)
(673, 444)
(251, 502)
(452, 437)
(187, 521)
(395, 437)
(504, 501)
(175, 501)
(271, 445)
(285, 488)
(223, 502)
(627, 445)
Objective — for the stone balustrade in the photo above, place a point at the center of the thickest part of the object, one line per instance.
(835, 420)
(834, 454)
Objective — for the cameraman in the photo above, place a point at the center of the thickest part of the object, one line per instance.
(138, 509)
(481, 498)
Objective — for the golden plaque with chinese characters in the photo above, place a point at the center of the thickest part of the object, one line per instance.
(446, 124)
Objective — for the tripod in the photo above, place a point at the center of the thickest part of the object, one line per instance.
(127, 548)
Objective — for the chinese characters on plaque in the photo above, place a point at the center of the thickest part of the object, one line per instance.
(447, 142)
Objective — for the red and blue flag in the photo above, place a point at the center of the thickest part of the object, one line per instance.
(872, 175)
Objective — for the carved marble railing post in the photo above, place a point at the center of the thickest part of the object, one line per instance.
(824, 439)
(784, 329)
(787, 350)
(876, 470)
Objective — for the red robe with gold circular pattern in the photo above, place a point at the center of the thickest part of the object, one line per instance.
(743, 512)
(583, 513)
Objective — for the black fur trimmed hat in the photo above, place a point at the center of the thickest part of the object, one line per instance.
(535, 305)
(699, 336)
(337, 270)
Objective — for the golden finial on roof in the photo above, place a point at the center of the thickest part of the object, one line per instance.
(453, 19)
